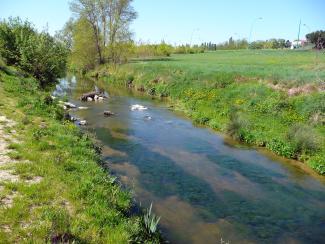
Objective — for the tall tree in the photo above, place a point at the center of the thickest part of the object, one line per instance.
(89, 9)
(110, 20)
(84, 55)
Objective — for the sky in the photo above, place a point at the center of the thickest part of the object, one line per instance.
(191, 21)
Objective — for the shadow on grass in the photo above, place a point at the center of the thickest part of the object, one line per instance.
(150, 59)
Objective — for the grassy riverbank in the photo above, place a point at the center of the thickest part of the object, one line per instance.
(57, 190)
(245, 94)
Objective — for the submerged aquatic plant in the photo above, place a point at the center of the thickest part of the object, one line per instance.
(149, 228)
(150, 221)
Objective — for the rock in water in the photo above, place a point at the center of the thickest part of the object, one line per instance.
(82, 108)
(138, 107)
(82, 122)
(69, 105)
(89, 99)
(108, 113)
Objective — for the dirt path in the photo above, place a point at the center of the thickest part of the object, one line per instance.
(6, 175)
(7, 164)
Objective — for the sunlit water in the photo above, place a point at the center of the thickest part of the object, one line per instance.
(204, 189)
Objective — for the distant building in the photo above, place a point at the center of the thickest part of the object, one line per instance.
(297, 44)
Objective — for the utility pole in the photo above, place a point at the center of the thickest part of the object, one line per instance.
(251, 30)
(196, 29)
(299, 32)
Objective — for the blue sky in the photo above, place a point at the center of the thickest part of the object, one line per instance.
(180, 21)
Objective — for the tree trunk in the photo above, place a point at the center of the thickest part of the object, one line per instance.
(100, 56)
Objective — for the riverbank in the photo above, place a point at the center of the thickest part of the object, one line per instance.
(248, 108)
(52, 186)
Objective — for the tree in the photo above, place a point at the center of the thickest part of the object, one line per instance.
(66, 34)
(110, 20)
(317, 38)
(84, 53)
(89, 10)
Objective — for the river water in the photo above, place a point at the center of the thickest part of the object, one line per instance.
(205, 189)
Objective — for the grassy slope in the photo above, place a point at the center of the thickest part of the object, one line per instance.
(209, 86)
(76, 197)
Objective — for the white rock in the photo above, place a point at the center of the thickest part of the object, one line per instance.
(82, 108)
(70, 105)
(82, 122)
(95, 97)
(100, 98)
(89, 99)
(138, 107)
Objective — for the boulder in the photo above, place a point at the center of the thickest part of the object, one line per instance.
(89, 99)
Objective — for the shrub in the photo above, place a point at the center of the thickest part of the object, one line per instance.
(237, 124)
(36, 53)
(303, 138)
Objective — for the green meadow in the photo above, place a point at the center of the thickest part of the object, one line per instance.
(290, 68)
(243, 93)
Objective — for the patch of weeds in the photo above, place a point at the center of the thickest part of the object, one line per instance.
(237, 124)
(15, 155)
(304, 139)
(26, 120)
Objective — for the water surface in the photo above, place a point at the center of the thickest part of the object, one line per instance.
(203, 188)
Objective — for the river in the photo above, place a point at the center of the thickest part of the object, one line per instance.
(205, 189)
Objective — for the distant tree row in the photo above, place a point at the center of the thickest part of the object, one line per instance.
(36, 53)
(163, 49)
(270, 44)
(243, 44)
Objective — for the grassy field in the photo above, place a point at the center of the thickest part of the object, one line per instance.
(290, 68)
(235, 92)
(53, 188)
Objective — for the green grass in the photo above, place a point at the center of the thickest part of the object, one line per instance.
(209, 86)
(291, 68)
(76, 199)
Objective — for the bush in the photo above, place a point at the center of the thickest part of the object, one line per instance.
(237, 124)
(36, 53)
(303, 138)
